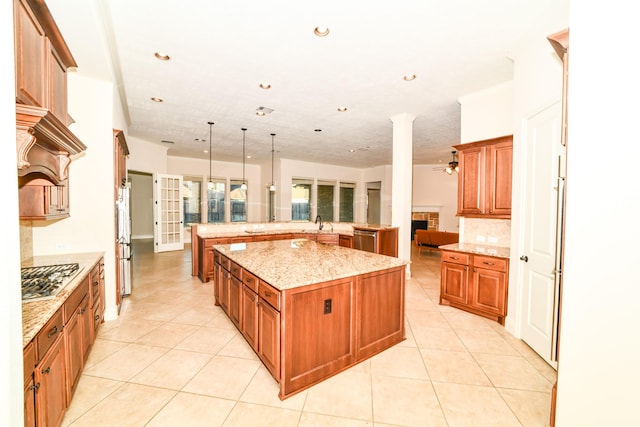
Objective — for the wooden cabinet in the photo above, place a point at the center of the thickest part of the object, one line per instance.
(50, 373)
(250, 315)
(328, 239)
(44, 143)
(206, 262)
(97, 297)
(269, 329)
(484, 178)
(78, 333)
(235, 287)
(345, 241)
(484, 292)
(42, 200)
(28, 365)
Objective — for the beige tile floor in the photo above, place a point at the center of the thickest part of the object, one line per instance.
(172, 358)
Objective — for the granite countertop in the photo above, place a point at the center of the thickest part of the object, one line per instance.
(36, 314)
(496, 251)
(373, 227)
(212, 234)
(286, 264)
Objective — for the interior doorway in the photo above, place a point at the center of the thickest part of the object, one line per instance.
(373, 202)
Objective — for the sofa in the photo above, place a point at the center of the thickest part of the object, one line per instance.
(432, 239)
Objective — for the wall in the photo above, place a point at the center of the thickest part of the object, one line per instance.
(91, 226)
(487, 113)
(435, 188)
(11, 386)
(141, 205)
(598, 373)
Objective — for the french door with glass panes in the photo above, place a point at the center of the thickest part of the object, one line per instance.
(167, 213)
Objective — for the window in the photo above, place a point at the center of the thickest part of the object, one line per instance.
(238, 198)
(301, 200)
(191, 200)
(325, 200)
(347, 191)
(215, 201)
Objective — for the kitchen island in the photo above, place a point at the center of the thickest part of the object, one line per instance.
(310, 310)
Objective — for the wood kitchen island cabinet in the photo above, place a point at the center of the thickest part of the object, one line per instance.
(311, 310)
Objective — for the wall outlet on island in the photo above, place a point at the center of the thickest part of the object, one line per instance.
(61, 246)
(492, 239)
(480, 239)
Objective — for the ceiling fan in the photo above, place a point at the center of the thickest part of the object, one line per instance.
(451, 167)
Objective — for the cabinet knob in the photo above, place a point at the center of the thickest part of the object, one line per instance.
(46, 371)
(524, 258)
(35, 387)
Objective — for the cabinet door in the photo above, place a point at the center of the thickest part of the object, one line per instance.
(250, 316)
(471, 181)
(499, 166)
(224, 290)
(57, 86)
(454, 282)
(346, 241)
(30, 404)
(30, 57)
(51, 396)
(74, 351)
(216, 283)
(235, 286)
(269, 337)
(488, 291)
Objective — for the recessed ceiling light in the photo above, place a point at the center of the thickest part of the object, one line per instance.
(156, 99)
(264, 86)
(352, 150)
(205, 151)
(260, 113)
(342, 109)
(248, 156)
(409, 77)
(321, 31)
(162, 56)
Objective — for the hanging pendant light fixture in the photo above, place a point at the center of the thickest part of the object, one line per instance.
(210, 182)
(272, 187)
(453, 164)
(244, 183)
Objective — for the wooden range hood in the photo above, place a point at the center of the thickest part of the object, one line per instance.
(44, 144)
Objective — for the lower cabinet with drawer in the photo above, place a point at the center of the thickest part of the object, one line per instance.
(475, 283)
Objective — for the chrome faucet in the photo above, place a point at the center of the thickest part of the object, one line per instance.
(319, 218)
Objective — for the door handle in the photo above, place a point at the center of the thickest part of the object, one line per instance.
(524, 258)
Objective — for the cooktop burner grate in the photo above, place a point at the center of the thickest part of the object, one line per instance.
(43, 282)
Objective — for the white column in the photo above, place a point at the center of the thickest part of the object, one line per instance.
(401, 183)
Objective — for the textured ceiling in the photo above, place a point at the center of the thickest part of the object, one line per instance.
(221, 51)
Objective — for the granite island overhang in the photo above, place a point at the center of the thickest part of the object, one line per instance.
(310, 310)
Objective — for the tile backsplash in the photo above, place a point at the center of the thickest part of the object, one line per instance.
(491, 232)
(26, 240)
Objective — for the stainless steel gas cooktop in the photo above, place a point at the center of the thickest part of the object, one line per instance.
(44, 282)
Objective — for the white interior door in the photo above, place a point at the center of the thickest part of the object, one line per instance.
(540, 256)
(167, 213)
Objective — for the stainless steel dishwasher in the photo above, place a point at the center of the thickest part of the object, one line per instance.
(365, 240)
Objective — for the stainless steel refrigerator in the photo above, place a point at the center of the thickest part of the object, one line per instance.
(123, 208)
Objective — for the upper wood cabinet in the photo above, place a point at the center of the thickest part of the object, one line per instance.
(42, 59)
(484, 178)
(44, 143)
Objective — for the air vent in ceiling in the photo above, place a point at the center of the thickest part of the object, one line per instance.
(167, 141)
(264, 110)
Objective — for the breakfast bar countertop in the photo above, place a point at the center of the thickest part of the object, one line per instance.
(496, 251)
(286, 264)
(36, 314)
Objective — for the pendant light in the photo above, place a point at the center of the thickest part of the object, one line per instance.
(244, 183)
(272, 187)
(210, 182)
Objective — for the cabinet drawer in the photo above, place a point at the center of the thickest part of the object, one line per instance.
(455, 257)
(491, 263)
(95, 281)
(48, 334)
(225, 262)
(75, 298)
(250, 280)
(269, 294)
(208, 243)
(235, 270)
